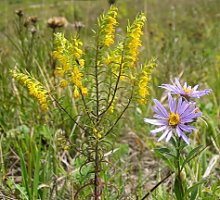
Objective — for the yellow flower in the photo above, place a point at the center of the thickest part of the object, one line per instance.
(84, 91)
(132, 41)
(108, 40)
(97, 133)
(76, 77)
(64, 83)
(35, 88)
(69, 55)
(107, 26)
(81, 62)
(76, 93)
(114, 58)
(76, 48)
(59, 72)
(144, 79)
(44, 107)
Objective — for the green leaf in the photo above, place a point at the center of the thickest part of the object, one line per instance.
(24, 172)
(165, 155)
(194, 152)
(165, 151)
(36, 173)
(178, 189)
(194, 189)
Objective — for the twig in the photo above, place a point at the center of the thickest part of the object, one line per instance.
(157, 185)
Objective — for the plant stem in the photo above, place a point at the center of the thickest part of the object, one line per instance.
(178, 158)
(178, 176)
(97, 79)
(96, 180)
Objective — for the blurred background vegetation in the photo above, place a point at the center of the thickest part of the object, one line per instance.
(184, 37)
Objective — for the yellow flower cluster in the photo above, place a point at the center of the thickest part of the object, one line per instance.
(133, 41)
(77, 51)
(35, 88)
(114, 58)
(144, 79)
(107, 26)
(69, 54)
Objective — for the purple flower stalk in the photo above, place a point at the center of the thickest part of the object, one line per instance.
(175, 121)
(185, 90)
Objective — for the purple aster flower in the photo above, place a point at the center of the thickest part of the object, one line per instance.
(175, 121)
(185, 90)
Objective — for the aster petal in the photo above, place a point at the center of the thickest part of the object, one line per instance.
(198, 94)
(170, 87)
(185, 138)
(177, 88)
(169, 135)
(155, 121)
(163, 135)
(172, 103)
(159, 117)
(157, 130)
(158, 112)
(178, 84)
(195, 87)
(191, 117)
(184, 106)
(187, 128)
(190, 109)
(179, 105)
(181, 134)
(160, 108)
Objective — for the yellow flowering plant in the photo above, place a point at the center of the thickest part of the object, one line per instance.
(104, 85)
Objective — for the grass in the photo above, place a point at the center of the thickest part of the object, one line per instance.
(37, 162)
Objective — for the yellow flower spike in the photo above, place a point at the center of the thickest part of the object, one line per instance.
(69, 55)
(76, 46)
(107, 26)
(108, 41)
(76, 77)
(35, 88)
(144, 79)
(132, 41)
(62, 59)
(113, 59)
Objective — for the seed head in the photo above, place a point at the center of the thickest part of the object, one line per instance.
(56, 22)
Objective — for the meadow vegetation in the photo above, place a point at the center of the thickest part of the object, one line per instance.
(78, 82)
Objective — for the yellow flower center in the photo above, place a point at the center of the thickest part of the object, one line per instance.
(174, 119)
(187, 90)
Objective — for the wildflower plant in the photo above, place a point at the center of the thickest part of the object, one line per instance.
(186, 90)
(104, 85)
(177, 120)
(175, 125)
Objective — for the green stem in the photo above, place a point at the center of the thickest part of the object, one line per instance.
(97, 169)
(97, 79)
(178, 176)
(178, 157)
